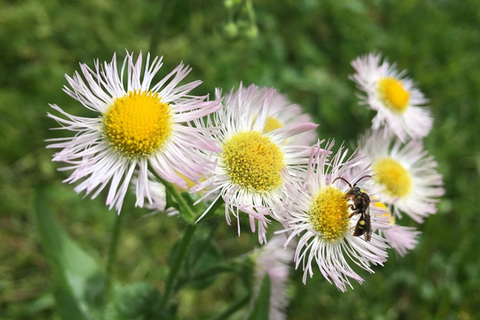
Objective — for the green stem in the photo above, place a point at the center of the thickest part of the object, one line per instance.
(233, 265)
(205, 274)
(235, 306)
(251, 12)
(177, 262)
(113, 252)
(199, 253)
(185, 209)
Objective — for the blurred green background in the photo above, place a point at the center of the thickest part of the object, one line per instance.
(301, 47)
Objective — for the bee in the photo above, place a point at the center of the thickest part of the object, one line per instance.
(361, 206)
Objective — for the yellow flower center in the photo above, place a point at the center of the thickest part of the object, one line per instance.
(190, 183)
(329, 213)
(393, 176)
(393, 94)
(387, 214)
(138, 124)
(253, 161)
(272, 124)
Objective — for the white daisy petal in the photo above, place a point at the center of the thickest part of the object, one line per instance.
(283, 114)
(400, 238)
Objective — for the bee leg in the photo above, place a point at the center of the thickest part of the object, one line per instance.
(354, 212)
(350, 196)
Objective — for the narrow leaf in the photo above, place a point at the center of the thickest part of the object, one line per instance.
(262, 303)
(79, 287)
(136, 301)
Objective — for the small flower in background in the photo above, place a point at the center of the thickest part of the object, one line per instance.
(274, 260)
(157, 195)
(395, 98)
(405, 176)
(284, 113)
(139, 125)
(318, 211)
(247, 174)
(400, 238)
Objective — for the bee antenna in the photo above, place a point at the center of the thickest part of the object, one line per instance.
(367, 176)
(343, 180)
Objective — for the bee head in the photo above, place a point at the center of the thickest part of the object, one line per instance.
(355, 191)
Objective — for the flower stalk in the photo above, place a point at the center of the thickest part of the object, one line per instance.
(177, 262)
(113, 253)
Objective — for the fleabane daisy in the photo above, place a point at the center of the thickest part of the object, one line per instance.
(395, 98)
(139, 125)
(400, 238)
(321, 214)
(404, 175)
(247, 173)
(283, 113)
(274, 260)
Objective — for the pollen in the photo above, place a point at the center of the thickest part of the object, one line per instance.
(329, 213)
(138, 124)
(253, 161)
(393, 94)
(393, 176)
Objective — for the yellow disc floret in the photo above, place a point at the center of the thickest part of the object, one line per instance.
(329, 213)
(253, 161)
(138, 124)
(393, 176)
(272, 124)
(393, 94)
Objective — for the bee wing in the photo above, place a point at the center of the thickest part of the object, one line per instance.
(368, 226)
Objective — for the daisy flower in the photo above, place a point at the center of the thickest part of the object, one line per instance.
(138, 124)
(247, 173)
(405, 176)
(320, 213)
(274, 260)
(400, 238)
(395, 98)
(284, 113)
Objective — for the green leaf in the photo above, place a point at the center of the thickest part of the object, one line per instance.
(136, 301)
(171, 203)
(203, 254)
(79, 286)
(262, 303)
(190, 200)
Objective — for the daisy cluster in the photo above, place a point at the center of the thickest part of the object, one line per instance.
(256, 152)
